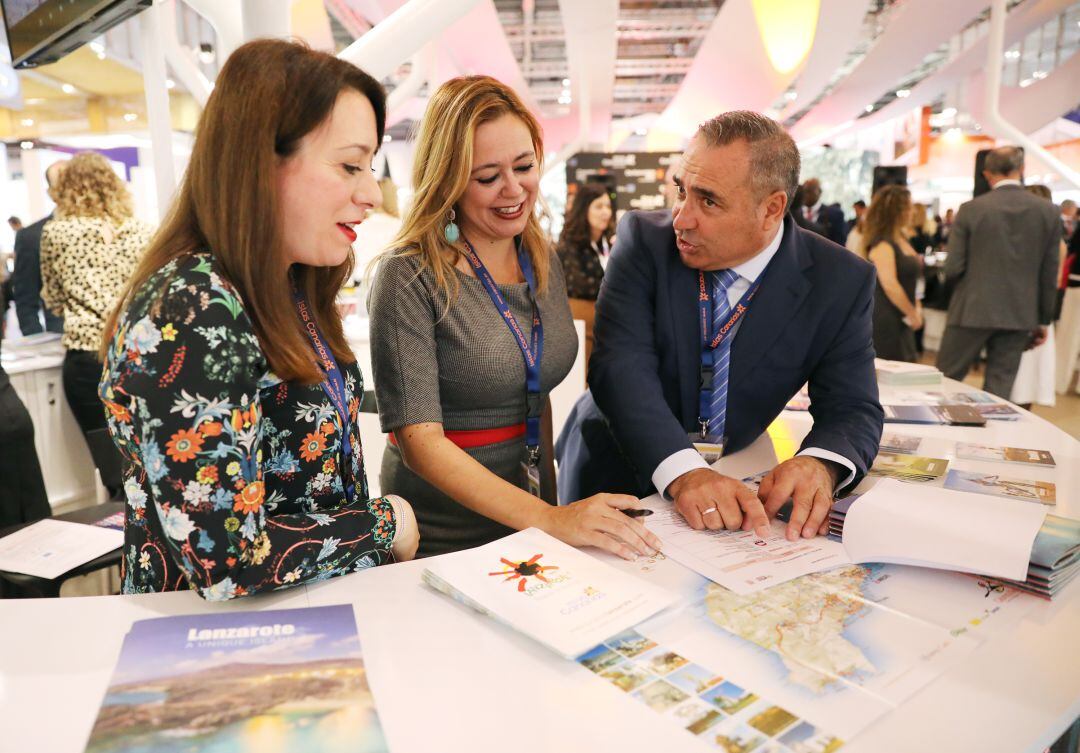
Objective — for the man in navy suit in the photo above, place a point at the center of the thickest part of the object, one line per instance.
(829, 217)
(26, 279)
(711, 317)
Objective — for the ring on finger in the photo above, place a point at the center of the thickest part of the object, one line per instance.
(706, 512)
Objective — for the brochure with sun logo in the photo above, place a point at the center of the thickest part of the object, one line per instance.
(539, 586)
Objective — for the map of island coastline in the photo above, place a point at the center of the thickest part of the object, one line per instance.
(881, 631)
(804, 622)
(895, 629)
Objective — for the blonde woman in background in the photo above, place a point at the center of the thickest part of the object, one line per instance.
(854, 241)
(470, 331)
(88, 251)
(922, 230)
(376, 234)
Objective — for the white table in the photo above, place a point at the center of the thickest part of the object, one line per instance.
(446, 679)
(35, 367)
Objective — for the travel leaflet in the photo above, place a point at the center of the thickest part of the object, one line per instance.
(968, 451)
(1002, 486)
(217, 681)
(539, 586)
(912, 468)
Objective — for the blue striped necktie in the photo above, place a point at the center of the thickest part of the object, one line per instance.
(722, 280)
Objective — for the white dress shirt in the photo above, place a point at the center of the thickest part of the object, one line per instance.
(683, 461)
(602, 249)
(1006, 182)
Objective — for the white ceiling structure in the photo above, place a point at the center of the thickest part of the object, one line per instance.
(914, 29)
(642, 74)
(603, 73)
(1024, 19)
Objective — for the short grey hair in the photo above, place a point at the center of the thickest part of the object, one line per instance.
(1005, 160)
(774, 158)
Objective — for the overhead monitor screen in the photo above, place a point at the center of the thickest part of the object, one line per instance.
(17, 10)
(43, 31)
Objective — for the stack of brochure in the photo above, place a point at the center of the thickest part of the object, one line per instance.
(953, 414)
(1055, 558)
(551, 592)
(907, 467)
(223, 681)
(903, 374)
(936, 407)
(1040, 552)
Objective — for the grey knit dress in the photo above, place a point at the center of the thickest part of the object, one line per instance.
(462, 369)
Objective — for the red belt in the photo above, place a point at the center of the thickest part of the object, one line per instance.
(469, 438)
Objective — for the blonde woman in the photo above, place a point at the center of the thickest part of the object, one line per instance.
(88, 251)
(896, 312)
(470, 331)
(922, 231)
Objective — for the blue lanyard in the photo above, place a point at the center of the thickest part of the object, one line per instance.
(531, 352)
(710, 341)
(333, 385)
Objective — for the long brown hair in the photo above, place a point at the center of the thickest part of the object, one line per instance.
(576, 232)
(269, 94)
(886, 216)
(441, 169)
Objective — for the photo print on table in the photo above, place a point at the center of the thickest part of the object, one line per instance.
(700, 700)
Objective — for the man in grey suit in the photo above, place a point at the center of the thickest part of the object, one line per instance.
(1003, 258)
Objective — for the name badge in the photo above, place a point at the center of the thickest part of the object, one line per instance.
(532, 477)
(710, 447)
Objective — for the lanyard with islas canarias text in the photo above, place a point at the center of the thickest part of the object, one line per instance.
(333, 385)
(532, 349)
(710, 341)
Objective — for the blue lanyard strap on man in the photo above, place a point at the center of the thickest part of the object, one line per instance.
(531, 352)
(333, 385)
(713, 335)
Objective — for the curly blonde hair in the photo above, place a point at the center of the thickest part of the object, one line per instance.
(88, 187)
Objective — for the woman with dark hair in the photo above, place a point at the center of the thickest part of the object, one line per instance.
(584, 248)
(230, 389)
(470, 331)
(896, 312)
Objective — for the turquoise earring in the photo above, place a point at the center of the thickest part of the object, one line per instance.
(451, 231)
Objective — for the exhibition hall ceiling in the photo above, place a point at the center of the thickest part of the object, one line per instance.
(638, 73)
(611, 71)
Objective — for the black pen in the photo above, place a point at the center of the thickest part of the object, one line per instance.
(637, 512)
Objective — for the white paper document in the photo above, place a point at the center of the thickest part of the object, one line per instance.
(741, 560)
(931, 527)
(548, 590)
(49, 548)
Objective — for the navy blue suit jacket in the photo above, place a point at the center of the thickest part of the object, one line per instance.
(26, 282)
(831, 219)
(811, 321)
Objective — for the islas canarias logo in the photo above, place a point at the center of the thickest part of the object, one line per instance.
(523, 570)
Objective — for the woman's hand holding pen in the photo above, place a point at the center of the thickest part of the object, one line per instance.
(598, 521)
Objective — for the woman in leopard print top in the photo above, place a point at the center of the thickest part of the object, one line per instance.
(88, 252)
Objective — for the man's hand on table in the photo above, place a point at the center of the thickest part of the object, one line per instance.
(707, 499)
(809, 483)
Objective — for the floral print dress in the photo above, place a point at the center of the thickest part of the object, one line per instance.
(234, 478)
